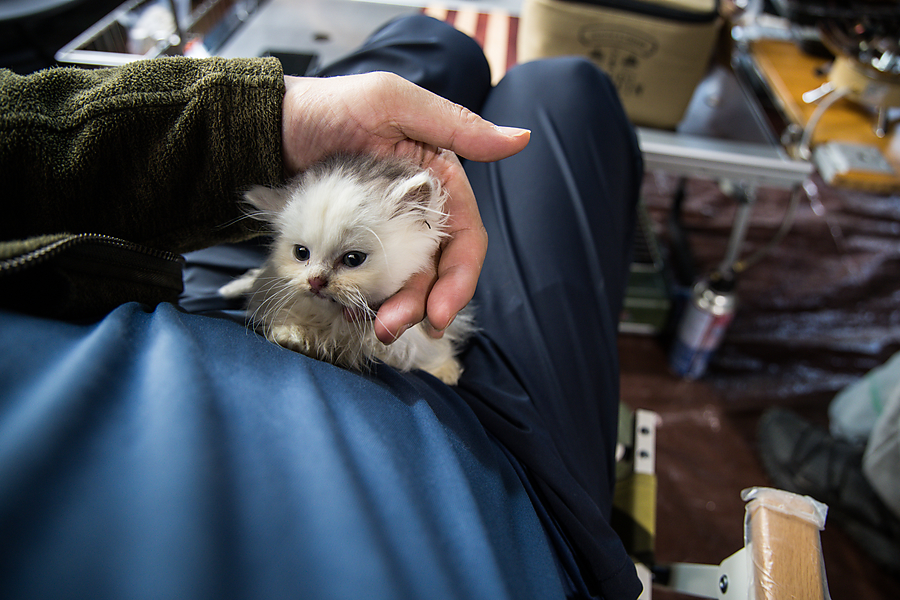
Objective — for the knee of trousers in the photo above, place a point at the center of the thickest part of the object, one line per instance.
(458, 50)
(573, 77)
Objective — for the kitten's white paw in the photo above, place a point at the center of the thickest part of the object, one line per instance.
(290, 337)
(240, 286)
(449, 371)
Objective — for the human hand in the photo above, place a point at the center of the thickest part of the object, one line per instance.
(384, 113)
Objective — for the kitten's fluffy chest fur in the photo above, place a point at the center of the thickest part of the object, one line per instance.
(348, 233)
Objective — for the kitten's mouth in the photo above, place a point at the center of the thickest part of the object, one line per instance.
(359, 314)
(353, 312)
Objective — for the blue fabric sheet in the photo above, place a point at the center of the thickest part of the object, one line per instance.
(158, 454)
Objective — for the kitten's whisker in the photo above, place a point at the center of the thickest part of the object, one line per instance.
(361, 326)
(270, 293)
(383, 250)
(440, 217)
(256, 215)
(282, 307)
(274, 303)
(378, 320)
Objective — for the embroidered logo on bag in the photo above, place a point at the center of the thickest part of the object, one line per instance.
(619, 52)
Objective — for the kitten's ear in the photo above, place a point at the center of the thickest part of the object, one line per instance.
(418, 189)
(266, 200)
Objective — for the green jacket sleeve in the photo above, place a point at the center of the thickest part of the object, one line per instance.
(156, 152)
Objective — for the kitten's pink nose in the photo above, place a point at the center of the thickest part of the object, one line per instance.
(317, 283)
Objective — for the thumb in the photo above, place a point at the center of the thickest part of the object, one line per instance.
(426, 117)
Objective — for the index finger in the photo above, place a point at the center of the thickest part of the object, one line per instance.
(441, 293)
(461, 257)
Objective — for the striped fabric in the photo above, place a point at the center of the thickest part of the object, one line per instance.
(495, 31)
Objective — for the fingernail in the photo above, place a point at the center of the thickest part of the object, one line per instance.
(434, 331)
(431, 330)
(513, 131)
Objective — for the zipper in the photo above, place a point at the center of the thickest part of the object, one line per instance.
(83, 276)
(155, 259)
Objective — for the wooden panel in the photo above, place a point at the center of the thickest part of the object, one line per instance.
(790, 73)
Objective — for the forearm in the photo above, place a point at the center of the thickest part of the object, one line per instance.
(156, 152)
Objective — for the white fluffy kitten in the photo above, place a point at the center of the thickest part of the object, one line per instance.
(348, 233)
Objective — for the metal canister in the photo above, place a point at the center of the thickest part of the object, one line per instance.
(703, 323)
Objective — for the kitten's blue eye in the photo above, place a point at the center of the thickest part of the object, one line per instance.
(301, 253)
(354, 259)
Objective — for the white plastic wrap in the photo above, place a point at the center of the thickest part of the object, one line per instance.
(781, 533)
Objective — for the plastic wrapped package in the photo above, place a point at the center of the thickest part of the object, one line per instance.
(781, 533)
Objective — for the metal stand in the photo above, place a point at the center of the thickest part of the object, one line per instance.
(743, 167)
(729, 580)
(744, 163)
(745, 195)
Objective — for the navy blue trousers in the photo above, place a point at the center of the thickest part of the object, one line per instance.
(544, 375)
(169, 453)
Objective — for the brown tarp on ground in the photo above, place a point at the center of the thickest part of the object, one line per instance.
(815, 315)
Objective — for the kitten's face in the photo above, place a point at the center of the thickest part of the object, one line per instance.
(349, 244)
(329, 250)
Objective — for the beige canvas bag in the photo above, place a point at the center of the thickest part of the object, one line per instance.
(656, 51)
